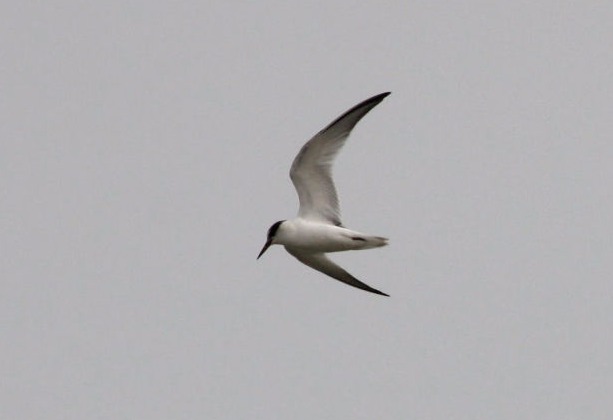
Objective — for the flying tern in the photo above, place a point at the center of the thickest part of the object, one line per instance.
(318, 228)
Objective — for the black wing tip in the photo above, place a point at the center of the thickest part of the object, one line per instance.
(379, 292)
(372, 100)
(377, 98)
(370, 103)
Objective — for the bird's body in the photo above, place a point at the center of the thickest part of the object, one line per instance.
(314, 236)
(318, 229)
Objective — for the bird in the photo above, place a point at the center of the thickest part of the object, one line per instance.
(318, 229)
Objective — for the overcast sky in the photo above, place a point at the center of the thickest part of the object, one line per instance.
(145, 149)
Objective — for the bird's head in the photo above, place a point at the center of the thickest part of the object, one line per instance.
(270, 238)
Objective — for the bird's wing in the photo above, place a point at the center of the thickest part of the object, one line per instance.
(311, 170)
(321, 263)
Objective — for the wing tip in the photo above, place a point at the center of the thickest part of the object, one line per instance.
(379, 292)
(377, 98)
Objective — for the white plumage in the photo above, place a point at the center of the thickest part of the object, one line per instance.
(318, 228)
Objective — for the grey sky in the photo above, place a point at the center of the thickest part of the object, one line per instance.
(146, 149)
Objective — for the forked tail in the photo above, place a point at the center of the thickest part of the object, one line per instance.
(378, 241)
(371, 241)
